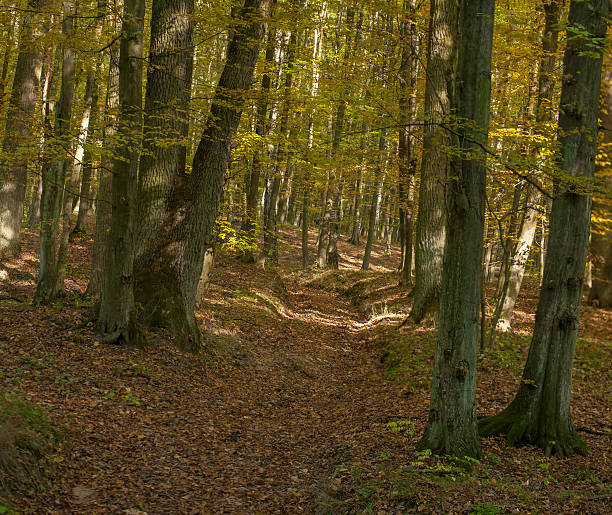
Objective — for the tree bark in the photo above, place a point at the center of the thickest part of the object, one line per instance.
(18, 132)
(540, 412)
(430, 223)
(451, 428)
(166, 115)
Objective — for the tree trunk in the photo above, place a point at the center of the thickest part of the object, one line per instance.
(544, 113)
(116, 320)
(249, 225)
(18, 132)
(103, 202)
(540, 412)
(451, 428)
(407, 156)
(169, 269)
(166, 115)
(54, 173)
(430, 224)
(375, 206)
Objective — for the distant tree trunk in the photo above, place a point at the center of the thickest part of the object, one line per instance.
(451, 428)
(116, 323)
(407, 156)
(544, 113)
(166, 114)
(18, 132)
(600, 294)
(273, 179)
(540, 412)
(103, 202)
(169, 269)
(355, 238)
(87, 174)
(50, 278)
(249, 224)
(430, 224)
(375, 206)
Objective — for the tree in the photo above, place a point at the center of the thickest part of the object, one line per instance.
(169, 269)
(430, 223)
(451, 428)
(52, 259)
(18, 135)
(540, 412)
(116, 323)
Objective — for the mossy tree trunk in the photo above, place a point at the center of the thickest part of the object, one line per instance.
(540, 412)
(451, 428)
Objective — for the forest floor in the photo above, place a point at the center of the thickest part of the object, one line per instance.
(307, 398)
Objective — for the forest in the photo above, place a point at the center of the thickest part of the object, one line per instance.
(305, 256)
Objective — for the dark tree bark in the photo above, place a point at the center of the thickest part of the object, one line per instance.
(116, 319)
(18, 132)
(451, 428)
(540, 412)
(166, 116)
(170, 266)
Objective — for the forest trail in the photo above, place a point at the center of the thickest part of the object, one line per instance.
(283, 396)
(288, 409)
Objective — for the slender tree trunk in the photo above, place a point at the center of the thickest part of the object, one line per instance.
(18, 140)
(249, 225)
(103, 202)
(170, 267)
(540, 412)
(116, 320)
(375, 206)
(54, 173)
(600, 294)
(544, 114)
(407, 155)
(451, 428)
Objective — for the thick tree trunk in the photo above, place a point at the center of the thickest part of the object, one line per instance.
(540, 412)
(18, 132)
(54, 173)
(169, 269)
(451, 428)
(430, 224)
(166, 115)
(116, 320)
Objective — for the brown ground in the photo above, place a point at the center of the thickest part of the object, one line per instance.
(288, 408)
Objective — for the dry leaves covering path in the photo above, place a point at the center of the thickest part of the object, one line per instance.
(287, 410)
